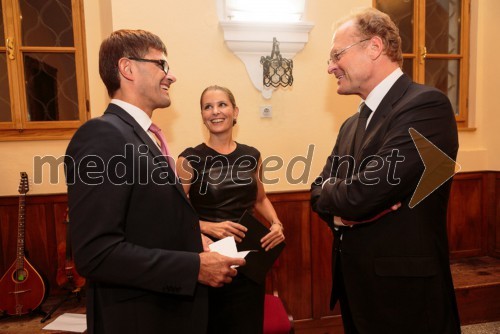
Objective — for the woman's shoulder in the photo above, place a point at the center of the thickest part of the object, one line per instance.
(248, 150)
(196, 151)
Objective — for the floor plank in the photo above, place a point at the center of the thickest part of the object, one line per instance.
(476, 271)
(31, 324)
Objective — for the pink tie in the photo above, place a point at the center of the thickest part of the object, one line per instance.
(163, 145)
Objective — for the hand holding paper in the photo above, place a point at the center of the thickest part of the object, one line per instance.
(227, 247)
(217, 269)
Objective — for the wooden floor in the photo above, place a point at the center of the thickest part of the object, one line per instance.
(477, 286)
(474, 272)
(482, 328)
(31, 324)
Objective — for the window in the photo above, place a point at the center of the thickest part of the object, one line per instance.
(43, 92)
(435, 46)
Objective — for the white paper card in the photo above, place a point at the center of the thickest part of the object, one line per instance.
(227, 247)
(70, 322)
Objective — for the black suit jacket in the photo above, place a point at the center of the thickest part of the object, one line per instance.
(134, 234)
(396, 269)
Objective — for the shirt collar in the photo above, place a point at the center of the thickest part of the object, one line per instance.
(377, 94)
(138, 114)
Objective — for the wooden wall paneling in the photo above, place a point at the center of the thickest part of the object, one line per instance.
(58, 207)
(38, 241)
(321, 244)
(294, 272)
(478, 305)
(494, 216)
(60, 229)
(8, 233)
(465, 216)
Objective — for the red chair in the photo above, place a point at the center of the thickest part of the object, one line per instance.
(277, 320)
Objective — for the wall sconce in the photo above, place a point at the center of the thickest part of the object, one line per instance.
(277, 70)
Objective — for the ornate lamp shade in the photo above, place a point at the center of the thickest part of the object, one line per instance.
(277, 70)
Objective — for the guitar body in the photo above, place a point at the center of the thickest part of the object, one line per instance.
(21, 290)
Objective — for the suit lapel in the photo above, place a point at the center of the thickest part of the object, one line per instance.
(351, 134)
(385, 108)
(146, 139)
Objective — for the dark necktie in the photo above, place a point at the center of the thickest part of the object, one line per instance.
(163, 145)
(361, 127)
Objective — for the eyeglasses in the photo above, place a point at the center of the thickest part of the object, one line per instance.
(160, 62)
(335, 57)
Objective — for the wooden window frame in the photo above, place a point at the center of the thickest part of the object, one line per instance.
(419, 55)
(19, 128)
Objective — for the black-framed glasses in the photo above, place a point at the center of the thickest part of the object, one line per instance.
(162, 63)
(335, 57)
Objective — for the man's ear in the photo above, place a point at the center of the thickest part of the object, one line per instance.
(125, 68)
(376, 47)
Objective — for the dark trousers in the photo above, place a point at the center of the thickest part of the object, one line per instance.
(345, 310)
(237, 307)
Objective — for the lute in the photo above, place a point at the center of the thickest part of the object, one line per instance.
(22, 289)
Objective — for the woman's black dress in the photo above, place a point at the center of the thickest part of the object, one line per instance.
(223, 186)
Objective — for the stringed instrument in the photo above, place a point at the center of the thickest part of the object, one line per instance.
(67, 276)
(22, 289)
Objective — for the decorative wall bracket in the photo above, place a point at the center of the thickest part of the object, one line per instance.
(249, 41)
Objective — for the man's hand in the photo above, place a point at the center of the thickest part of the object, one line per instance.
(206, 241)
(215, 269)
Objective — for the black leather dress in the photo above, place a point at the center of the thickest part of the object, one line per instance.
(222, 188)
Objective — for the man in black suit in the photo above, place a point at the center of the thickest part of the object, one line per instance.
(135, 236)
(391, 271)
